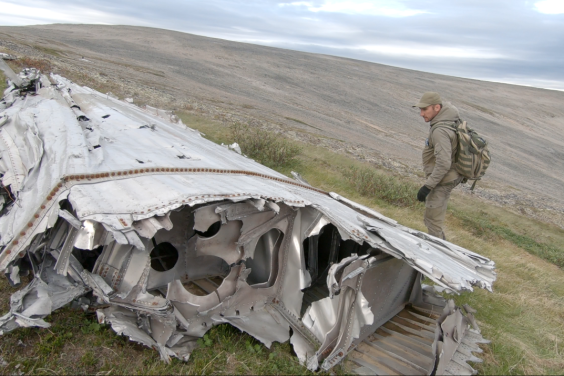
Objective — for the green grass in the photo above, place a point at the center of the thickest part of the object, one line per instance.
(77, 344)
(370, 182)
(268, 148)
(483, 226)
(494, 223)
(3, 85)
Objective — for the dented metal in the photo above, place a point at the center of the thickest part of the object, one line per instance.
(166, 234)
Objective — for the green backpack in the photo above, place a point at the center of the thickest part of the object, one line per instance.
(472, 157)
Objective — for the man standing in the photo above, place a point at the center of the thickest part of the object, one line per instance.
(438, 160)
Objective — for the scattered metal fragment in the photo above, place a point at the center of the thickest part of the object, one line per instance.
(167, 245)
(5, 56)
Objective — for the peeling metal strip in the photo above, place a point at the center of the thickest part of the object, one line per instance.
(74, 222)
(362, 208)
(345, 341)
(63, 262)
(295, 323)
(121, 273)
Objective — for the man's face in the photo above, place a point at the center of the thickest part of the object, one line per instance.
(429, 112)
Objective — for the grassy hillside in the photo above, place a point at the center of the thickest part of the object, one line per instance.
(523, 316)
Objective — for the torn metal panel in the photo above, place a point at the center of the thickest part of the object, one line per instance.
(125, 207)
(91, 235)
(5, 56)
(47, 292)
(64, 255)
(125, 322)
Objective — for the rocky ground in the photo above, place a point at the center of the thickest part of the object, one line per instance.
(353, 107)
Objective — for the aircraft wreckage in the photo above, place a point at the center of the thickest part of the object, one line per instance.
(126, 211)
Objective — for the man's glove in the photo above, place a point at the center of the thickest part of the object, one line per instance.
(423, 193)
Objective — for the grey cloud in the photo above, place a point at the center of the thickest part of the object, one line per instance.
(530, 44)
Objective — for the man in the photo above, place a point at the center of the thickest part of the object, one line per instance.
(438, 160)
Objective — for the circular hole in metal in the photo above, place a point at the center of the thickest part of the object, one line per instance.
(163, 257)
(211, 231)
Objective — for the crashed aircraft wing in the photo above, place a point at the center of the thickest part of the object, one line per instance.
(125, 208)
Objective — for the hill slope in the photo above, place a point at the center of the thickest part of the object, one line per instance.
(325, 99)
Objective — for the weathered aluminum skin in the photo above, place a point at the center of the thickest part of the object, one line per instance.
(120, 207)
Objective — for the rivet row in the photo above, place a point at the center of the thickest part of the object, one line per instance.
(151, 170)
(105, 175)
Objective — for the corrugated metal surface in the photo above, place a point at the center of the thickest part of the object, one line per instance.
(404, 346)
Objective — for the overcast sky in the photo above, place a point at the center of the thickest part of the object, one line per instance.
(514, 41)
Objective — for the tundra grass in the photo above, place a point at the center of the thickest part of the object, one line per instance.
(265, 147)
(3, 85)
(77, 344)
(523, 317)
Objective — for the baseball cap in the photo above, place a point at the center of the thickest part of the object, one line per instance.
(428, 99)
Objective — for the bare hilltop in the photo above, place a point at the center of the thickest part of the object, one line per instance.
(348, 105)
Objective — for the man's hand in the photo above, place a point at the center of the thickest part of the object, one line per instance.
(423, 193)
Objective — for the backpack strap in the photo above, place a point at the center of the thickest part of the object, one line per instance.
(445, 124)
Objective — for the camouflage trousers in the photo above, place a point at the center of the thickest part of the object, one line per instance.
(436, 206)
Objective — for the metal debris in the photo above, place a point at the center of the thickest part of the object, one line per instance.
(104, 212)
(5, 56)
